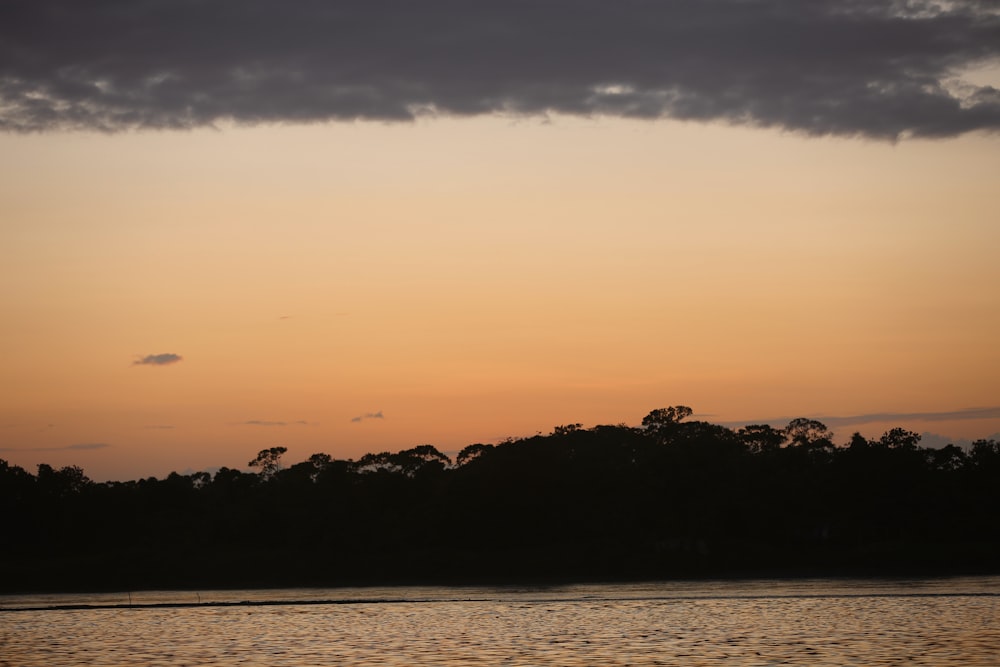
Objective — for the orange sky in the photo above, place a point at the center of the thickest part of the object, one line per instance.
(476, 279)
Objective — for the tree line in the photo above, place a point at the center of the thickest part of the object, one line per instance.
(675, 497)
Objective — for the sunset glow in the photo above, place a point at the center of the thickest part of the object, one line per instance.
(451, 280)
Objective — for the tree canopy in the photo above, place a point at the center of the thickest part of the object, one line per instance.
(673, 497)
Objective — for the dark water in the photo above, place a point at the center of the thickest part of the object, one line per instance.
(816, 622)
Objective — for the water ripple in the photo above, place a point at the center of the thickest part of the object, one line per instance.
(732, 624)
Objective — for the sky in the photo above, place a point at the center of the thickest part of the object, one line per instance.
(364, 226)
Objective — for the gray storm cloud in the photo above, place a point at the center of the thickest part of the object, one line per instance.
(873, 68)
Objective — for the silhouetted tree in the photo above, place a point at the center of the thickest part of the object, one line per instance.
(985, 454)
(899, 438)
(269, 461)
(759, 438)
(670, 415)
(662, 422)
(471, 453)
(858, 442)
(61, 483)
(808, 434)
(422, 459)
(948, 458)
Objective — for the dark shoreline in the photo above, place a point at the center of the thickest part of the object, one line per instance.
(181, 569)
(541, 587)
(986, 567)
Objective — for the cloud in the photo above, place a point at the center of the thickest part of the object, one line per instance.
(88, 445)
(876, 417)
(369, 415)
(75, 447)
(262, 422)
(938, 441)
(164, 359)
(954, 415)
(875, 68)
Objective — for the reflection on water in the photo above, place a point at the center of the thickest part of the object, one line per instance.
(819, 622)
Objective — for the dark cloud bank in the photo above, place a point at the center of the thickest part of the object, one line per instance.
(880, 69)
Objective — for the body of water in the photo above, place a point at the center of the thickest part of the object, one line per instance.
(934, 622)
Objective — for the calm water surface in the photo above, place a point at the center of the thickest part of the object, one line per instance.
(816, 622)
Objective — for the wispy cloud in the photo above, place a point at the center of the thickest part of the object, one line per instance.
(953, 415)
(368, 415)
(876, 417)
(938, 441)
(264, 422)
(88, 445)
(162, 359)
(874, 68)
(84, 446)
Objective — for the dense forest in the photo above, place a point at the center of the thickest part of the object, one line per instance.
(672, 498)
